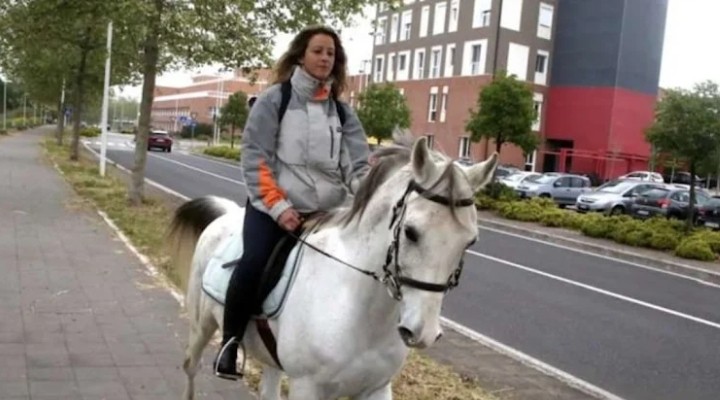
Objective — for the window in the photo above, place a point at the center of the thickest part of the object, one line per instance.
(419, 64)
(530, 161)
(394, 28)
(517, 61)
(545, 20)
(537, 106)
(541, 67)
(474, 55)
(380, 30)
(391, 67)
(435, 57)
(439, 21)
(424, 21)
(430, 141)
(406, 25)
(443, 104)
(454, 15)
(378, 77)
(403, 63)
(481, 13)
(432, 105)
(449, 61)
(511, 14)
(464, 148)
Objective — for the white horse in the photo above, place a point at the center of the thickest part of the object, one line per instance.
(340, 333)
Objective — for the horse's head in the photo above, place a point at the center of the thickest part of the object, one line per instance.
(434, 220)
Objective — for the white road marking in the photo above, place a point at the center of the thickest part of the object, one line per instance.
(606, 257)
(202, 171)
(598, 290)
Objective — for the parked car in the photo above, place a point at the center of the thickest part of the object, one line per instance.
(564, 189)
(669, 202)
(648, 176)
(161, 140)
(614, 197)
(518, 178)
(709, 214)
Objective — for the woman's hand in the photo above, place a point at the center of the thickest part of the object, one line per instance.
(289, 220)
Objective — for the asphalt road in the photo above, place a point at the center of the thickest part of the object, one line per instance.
(634, 332)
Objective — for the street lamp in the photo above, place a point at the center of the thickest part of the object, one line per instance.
(5, 104)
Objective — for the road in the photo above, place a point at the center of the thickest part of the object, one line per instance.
(635, 332)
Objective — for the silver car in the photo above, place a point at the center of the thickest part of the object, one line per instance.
(564, 189)
(518, 178)
(614, 197)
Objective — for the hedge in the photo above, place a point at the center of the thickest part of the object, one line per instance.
(223, 152)
(655, 233)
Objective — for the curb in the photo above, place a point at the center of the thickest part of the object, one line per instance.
(227, 161)
(668, 266)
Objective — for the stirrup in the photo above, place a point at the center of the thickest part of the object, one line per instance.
(223, 375)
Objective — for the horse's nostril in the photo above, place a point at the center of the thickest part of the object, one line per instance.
(405, 334)
(438, 336)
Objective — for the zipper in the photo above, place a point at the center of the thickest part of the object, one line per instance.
(332, 143)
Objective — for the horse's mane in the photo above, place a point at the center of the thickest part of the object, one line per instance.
(387, 160)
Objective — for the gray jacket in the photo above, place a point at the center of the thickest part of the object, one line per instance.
(309, 162)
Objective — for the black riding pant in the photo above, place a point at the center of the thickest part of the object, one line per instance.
(260, 236)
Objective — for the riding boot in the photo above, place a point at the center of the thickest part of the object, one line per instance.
(225, 365)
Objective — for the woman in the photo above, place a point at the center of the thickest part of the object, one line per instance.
(305, 163)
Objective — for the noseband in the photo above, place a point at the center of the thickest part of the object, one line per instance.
(392, 271)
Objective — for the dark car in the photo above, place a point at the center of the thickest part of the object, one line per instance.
(668, 202)
(160, 140)
(709, 214)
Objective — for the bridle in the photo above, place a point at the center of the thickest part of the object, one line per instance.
(392, 271)
(392, 276)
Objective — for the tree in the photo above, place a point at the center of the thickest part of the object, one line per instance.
(50, 47)
(234, 33)
(382, 109)
(687, 126)
(505, 113)
(234, 113)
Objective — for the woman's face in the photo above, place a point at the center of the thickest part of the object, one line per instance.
(319, 58)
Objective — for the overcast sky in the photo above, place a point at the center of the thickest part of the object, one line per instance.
(691, 52)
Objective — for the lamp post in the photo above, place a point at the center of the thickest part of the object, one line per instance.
(5, 104)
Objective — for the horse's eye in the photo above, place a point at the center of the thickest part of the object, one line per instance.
(412, 234)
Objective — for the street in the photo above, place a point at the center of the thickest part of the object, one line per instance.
(635, 332)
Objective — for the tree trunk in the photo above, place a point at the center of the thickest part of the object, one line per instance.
(691, 205)
(78, 106)
(150, 61)
(498, 144)
(60, 123)
(232, 136)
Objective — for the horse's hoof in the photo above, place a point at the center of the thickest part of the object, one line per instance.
(229, 377)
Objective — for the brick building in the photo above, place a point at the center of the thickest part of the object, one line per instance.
(201, 98)
(593, 67)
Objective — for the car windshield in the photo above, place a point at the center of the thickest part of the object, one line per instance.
(542, 179)
(616, 187)
(515, 177)
(656, 193)
(160, 133)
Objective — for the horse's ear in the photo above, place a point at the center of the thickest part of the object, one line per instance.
(482, 173)
(422, 164)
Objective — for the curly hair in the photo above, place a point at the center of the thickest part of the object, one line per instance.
(285, 65)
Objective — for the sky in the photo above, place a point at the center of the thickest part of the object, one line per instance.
(688, 57)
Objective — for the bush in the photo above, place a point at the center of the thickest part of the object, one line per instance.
(500, 192)
(695, 248)
(90, 132)
(223, 152)
(664, 240)
(485, 202)
(3, 132)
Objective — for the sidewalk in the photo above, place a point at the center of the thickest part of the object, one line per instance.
(79, 316)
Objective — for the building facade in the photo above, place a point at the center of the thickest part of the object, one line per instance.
(202, 98)
(440, 53)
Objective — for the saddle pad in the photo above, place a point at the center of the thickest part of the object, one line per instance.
(216, 279)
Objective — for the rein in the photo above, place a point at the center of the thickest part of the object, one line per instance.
(391, 276)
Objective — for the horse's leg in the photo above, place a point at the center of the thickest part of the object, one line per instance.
(201, 332)
(382, 393)
(270, 384)
(304, 389)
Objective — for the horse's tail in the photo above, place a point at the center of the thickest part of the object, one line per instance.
(188, 223)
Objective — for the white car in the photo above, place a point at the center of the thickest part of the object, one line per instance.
(646, 176)
(514, 180)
